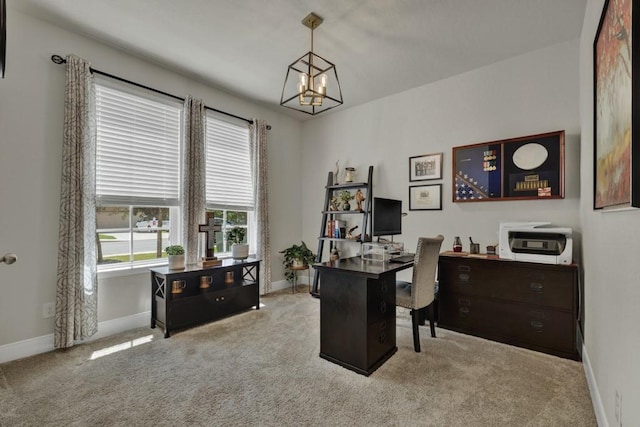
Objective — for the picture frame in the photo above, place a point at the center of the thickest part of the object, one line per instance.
(425, 197)
(616, 177)
(425, 167)
(523, 168)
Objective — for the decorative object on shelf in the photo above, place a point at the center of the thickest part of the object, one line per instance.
(311, 84)
(335, 174)
(228, 277)
(616, 141)
(205, 281)
(334, 204)
(296, 256)
(212, 225)
(424, 167)
(177, 286)
(349, 174)
(529, 167)
(239, 250)
(350, 233)
(457, 244)
(335, 255)
(359, 199)
(346, 196)
(425, 197)
(175, 253)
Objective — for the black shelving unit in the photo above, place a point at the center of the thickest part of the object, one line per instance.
(332, 189)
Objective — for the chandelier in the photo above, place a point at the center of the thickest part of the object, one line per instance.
(311, 84)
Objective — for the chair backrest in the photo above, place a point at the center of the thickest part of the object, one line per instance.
(424, 271)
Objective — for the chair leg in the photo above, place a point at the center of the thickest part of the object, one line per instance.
(431, 316)
(416, 334)
(423, 316)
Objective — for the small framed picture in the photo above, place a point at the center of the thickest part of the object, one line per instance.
(427, 166)
(425, 197)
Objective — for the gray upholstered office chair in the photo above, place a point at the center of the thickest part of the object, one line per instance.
(420, 293)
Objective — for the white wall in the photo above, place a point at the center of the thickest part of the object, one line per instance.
(31, 117)
(525, 95)
(611, 248)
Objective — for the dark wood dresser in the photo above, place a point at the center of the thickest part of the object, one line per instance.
(526, 304)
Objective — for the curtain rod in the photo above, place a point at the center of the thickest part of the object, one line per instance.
(57, 59)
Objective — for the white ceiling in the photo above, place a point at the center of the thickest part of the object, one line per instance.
(380, 47)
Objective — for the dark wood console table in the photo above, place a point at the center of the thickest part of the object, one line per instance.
(358, 312)
(525, 304)
(233, 287)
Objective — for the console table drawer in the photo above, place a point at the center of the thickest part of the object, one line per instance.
(549, 287)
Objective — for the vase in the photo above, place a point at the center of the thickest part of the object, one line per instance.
(176, 262)
(239, 251)
(346, 206)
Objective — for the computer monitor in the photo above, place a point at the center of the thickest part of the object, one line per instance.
(387, 217)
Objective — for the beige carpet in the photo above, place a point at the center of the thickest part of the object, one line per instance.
(262, 368)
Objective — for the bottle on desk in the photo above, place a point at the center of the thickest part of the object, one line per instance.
(457, 244)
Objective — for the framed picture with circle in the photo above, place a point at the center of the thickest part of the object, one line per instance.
(530, 167)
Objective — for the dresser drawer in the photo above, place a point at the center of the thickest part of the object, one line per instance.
(512, 323)
(549, 286)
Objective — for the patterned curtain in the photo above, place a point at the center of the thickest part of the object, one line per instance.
(77, 287)
(193, 176)
(258, 153)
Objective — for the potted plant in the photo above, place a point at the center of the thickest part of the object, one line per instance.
(346, 196)
(239, 249)
(296, 256)
(175, 253)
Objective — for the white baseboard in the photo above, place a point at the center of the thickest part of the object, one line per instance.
(280, 284)
(43, 344)
(598, 407)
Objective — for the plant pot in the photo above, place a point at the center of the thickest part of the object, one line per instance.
(297, 263)
(346, 206)
(239, 251)
(176, 262)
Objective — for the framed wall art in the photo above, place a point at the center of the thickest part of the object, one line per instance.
(425, 197)
(424, 167)
(525, 168)
(615, 63)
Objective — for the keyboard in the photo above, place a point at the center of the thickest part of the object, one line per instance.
(403, 258)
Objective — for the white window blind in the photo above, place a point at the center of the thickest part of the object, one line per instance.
(138, 149)
(228, 176)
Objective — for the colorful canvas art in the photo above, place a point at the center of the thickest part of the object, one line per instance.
(613, 101)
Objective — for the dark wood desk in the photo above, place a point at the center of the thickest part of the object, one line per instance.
(358, 312)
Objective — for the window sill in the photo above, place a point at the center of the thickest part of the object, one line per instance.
(130, 270)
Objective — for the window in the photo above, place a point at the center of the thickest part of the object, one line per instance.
(229, 181)
(137, 174)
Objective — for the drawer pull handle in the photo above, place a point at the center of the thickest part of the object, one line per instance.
(382, 338)
(464, 310)
(536, 287)
(464, 301)
(383, 307)
(537, 326)
(383, 287)
(463, 277)
(464, 268)
(221, 298)
(383, 325)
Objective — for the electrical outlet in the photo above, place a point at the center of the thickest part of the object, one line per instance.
(48, 309)
(618, 408)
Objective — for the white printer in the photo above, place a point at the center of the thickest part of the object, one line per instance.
(535, 242)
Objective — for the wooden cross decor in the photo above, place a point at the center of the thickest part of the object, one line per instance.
(212, 225)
